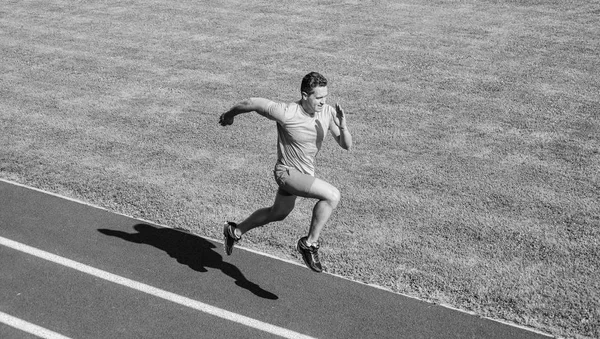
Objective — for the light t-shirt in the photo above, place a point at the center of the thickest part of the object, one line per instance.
(299, 136)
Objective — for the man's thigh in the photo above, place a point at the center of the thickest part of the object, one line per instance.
(293, 182)
(307, 186)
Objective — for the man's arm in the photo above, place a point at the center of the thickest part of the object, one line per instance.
(339, 129)
(259, 105)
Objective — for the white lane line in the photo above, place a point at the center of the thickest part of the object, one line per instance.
(29, 327)
(215, 311)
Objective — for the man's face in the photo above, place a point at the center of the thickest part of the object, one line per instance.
(315, 101)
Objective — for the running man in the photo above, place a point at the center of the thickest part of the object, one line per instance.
(301, 128)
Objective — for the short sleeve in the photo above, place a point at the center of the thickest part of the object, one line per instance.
(276, 111)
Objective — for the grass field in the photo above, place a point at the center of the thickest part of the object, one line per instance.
(474, 180)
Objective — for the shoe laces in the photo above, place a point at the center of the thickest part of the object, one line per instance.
(314, 251)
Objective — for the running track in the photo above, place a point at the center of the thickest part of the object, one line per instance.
(69, 270)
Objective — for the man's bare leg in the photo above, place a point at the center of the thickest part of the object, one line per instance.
(329, 197)
(281, 208)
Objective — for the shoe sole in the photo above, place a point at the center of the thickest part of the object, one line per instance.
(226, 236)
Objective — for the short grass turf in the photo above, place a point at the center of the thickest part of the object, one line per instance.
(474, 178)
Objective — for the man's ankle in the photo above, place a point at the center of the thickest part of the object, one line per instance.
(237, 232)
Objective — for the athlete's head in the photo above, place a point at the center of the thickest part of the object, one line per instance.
(312, 80)
(314, 92)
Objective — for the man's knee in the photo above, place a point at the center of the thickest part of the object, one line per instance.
(279, 214)
(334, 197)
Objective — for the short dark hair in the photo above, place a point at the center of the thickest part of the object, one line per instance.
(312, 80)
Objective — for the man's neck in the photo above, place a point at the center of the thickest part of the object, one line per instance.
(306, 111)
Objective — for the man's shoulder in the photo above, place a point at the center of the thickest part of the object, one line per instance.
(285, 105)
(292, 109)
(276, 110)
(293, 106)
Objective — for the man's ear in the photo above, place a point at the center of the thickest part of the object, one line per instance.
(304, 95)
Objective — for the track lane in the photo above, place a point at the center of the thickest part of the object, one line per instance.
(256, 286)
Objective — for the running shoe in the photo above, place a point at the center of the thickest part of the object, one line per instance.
(310, 254)
(229, 237)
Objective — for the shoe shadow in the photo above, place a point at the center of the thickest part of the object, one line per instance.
(190, 250)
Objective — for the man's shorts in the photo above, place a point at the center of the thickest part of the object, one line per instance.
(292, 182)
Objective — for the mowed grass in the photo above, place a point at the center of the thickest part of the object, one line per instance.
(474, 180)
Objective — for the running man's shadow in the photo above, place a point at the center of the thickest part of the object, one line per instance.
(193, 251)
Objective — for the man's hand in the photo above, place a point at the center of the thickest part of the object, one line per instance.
(345, 138)
(340, 117)
(226, 119)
